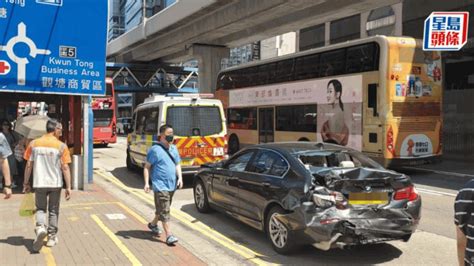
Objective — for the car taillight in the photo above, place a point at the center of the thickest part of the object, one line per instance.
(390, 145)
(408, 193)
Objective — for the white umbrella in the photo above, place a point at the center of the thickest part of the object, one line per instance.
(31, 127)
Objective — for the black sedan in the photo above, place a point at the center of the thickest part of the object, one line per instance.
(311, 193)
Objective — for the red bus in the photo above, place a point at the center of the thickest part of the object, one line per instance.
(105, 120)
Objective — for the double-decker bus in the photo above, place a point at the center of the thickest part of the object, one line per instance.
(381, 95)
(105, 120)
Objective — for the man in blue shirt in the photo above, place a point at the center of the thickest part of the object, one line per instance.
(163, 165)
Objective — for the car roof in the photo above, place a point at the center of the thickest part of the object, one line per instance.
(301, 146)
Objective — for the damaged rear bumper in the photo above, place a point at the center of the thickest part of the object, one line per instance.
(333, 227)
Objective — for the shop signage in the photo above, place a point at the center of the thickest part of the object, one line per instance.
(53, 46)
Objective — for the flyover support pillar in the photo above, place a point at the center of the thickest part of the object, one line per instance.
(209, 64)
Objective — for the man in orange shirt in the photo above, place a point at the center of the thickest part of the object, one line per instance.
(49, 160)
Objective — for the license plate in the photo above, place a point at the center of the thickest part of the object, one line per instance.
(218, 151)
(105, 130)
(368, 198)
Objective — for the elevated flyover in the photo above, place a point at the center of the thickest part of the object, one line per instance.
(204, 29)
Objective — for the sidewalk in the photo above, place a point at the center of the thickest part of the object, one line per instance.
(448, 167)
(94, 228)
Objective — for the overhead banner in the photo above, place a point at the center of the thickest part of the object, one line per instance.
(338, 100)
(53, 46)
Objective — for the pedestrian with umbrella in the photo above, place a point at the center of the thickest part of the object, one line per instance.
(29, 127)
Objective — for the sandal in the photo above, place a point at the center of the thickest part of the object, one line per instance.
(171, 240)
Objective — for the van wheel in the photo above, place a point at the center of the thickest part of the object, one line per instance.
(130, 165)
(234, 144)
(281, 238)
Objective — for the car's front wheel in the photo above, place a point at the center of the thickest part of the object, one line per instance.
(200, 197)
(279, 235)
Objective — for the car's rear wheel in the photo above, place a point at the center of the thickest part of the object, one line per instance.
(279, 235)
(200, 197)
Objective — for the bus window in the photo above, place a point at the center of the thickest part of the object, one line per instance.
(301, 118)
(307, 67)
(252, 76)
(240, 78)
(271, 73)
(102, 117)
(188, 119)
(223, 81)
(284, 71)
(362, 58)
(242, 118)
(263, 73)
(333, 63)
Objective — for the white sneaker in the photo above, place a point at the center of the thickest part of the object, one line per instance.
(40, 235)
(52, 241)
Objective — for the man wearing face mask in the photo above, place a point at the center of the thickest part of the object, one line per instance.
(163, 164)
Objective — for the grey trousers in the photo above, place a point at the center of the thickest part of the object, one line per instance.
(48, 198)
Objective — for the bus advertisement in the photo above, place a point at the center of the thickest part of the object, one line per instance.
(105, 120)
(380, 95)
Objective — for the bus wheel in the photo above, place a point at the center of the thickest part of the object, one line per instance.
(303, 139)
(233, 144)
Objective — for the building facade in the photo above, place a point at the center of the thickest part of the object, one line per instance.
(127, 14)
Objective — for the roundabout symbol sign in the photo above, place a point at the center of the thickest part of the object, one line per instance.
(22, 61)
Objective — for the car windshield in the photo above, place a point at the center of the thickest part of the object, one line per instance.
(335, 158)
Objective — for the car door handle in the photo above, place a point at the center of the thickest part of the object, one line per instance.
(266, 184)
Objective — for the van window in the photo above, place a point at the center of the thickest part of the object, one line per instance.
(146, 121)
(151, 122)
(194, 120)
(140, 122)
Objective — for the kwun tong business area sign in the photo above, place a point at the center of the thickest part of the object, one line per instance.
(53, 46)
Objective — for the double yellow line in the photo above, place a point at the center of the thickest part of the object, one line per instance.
(193, 223)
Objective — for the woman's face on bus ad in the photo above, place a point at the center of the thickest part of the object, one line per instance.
(332, 95)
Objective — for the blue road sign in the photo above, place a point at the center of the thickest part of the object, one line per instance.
(53, 46)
